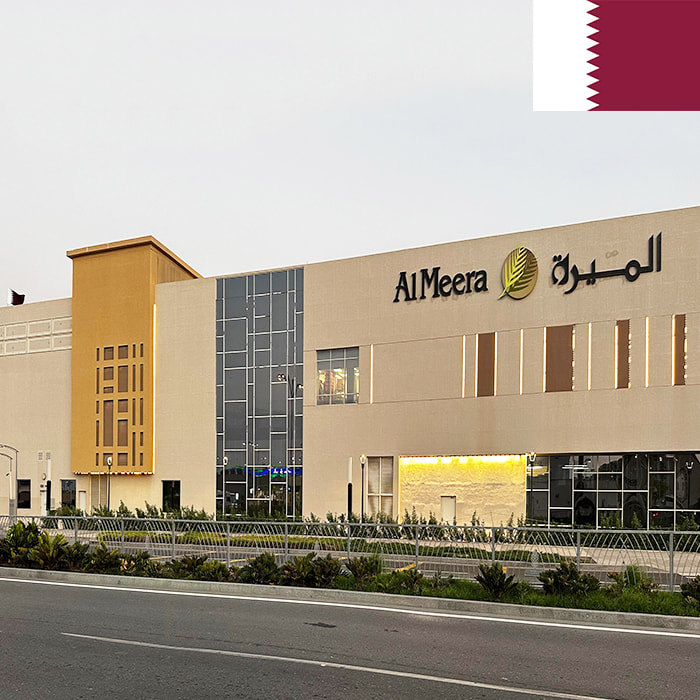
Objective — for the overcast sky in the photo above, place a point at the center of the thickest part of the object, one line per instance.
(262, 133)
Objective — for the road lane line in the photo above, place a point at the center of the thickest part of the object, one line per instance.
(343, 667)
(377, 608)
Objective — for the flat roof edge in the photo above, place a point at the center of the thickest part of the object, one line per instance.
(133, 243)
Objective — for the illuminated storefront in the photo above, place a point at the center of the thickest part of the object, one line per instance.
(549, 375)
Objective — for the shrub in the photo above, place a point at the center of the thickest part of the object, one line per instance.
(364, 569)
(212, 571)
(326, 571)
(299, 571)
(104, 560)
(20, 540)
(49, 552)
(407, 581)
(632, 578)
(141, 564)
(77, 556)
(691, 590)
(566, 579)
(492, 578)
(185, 567)
(262, 569)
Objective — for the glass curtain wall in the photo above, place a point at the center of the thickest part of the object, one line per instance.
(641, 490)
(259, 414)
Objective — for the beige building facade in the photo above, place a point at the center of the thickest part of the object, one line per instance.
(547, 375)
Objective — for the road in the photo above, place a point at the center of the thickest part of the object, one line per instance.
(63, 641)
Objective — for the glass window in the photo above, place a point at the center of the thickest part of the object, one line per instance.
(108, 353)
(687, 482)
(235, 425)
(560, 482)
(610, 499)
(661, 519)
(108, 374)
(123, 352)
(661, 491)
(537, 506)
(234, 287)
(24, 493)
(171, 496)
(235, 335)
(338, 376)
(235, 384)
(561, 516)
(634, 510)
(635, 472)
(380, 485)
(278, 315)
(68, 492)
(262, 283)
(234, 498)
(585, 509)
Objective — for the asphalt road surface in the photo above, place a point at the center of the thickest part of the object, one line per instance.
(62, 641)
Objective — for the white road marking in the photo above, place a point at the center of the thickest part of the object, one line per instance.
(377, 608)
(344, 667)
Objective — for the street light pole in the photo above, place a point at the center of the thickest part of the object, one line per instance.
(109, 481)
(12, 503)
(363, 460)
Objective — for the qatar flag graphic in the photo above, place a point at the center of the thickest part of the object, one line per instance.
(616, 55)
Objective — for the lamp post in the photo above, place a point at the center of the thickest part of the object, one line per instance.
(12, 503)
(530, 468)
(363, 460)
(109, 481)
(292, 387)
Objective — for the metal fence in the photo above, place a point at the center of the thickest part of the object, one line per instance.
(668, 557)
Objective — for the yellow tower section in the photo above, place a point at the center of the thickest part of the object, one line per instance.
(113, 356)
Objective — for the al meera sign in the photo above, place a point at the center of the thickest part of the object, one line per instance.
(518, 275)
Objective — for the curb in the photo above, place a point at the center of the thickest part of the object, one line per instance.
(384, 600)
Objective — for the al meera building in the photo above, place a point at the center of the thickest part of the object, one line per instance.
(551, 375)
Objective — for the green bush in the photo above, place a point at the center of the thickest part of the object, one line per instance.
(262, 569)
(567, 580)
(77, 556)
(408, 581)
(20, 540)
(141, 564)
(691, 590)
(494, 581)
(326, 571)
(185, 567)
(632, 578)
(50, 552)
(364, 569)
(212, 571)
(299, 571)
(104, 561)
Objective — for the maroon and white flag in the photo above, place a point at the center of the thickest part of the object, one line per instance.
(616, 55)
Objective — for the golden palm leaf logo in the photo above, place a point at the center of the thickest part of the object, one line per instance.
(519, 273)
